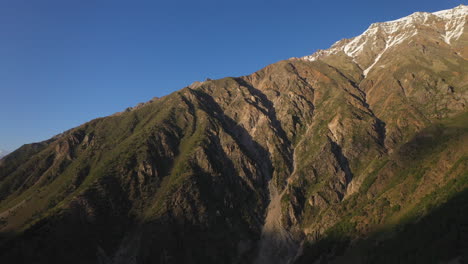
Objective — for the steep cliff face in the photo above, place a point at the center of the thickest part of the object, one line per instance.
(350, 154)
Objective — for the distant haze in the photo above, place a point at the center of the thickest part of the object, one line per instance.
(3, 153)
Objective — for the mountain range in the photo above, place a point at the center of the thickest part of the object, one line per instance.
(354, 154)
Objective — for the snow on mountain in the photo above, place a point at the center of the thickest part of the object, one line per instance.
(380, 37)
(456, 20)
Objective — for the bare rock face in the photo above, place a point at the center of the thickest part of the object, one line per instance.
(353, 154)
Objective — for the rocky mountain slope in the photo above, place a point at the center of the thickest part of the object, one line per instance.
(356, 154)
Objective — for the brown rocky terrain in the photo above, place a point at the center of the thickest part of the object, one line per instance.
(353, 154)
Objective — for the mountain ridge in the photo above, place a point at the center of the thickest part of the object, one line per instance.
(302, 161)
(3, 153)
(396, 32)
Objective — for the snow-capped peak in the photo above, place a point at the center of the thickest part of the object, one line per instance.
(380, 37)
(456, 20)
(459, 11)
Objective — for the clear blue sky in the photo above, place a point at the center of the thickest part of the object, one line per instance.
(65, 62)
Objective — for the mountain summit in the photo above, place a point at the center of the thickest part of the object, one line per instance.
(355, 154)
(367, 49)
